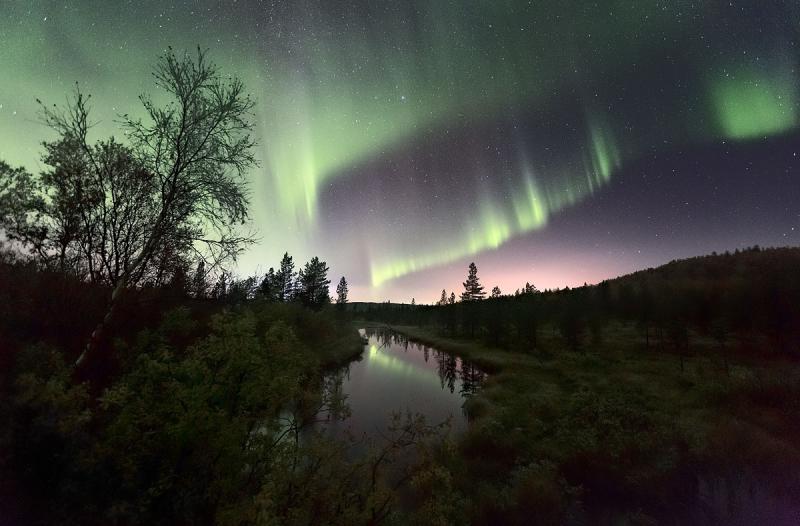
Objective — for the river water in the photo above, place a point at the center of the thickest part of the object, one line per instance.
(398, 375)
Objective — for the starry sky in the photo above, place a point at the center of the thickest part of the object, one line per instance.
(557, 142)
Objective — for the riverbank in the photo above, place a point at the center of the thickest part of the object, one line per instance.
(348, 346)
(184, 430)
(619, 431)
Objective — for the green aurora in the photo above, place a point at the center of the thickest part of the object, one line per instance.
(334, 92)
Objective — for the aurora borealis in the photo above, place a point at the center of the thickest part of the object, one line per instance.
(552, 142)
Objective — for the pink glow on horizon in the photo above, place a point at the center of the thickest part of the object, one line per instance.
(568, 270)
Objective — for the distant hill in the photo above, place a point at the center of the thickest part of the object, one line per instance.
(755, 265)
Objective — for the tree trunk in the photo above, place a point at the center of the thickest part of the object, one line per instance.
(98, 331)
(139, 263)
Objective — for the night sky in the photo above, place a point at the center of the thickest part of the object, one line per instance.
(555, 142)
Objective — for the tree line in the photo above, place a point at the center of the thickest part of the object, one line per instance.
(308, 286)
(746, 300)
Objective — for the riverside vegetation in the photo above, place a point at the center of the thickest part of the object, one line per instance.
(205, 413)
(667, 395)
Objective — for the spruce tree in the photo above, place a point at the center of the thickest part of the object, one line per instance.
(314, 284)
(200, 287)
(269, 286)
(473, 290)
(220, 290)
(341, 292)
(285, 279)
(529, 289)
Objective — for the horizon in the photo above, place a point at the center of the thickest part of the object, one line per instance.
(511, 291)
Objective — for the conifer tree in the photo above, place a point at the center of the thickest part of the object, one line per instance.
(268, 289)
(341, 292)
(529, 289)
(443, 299)
(220, 290)
(199, 285)
(285, 279)
(314, 284)
(473, 290)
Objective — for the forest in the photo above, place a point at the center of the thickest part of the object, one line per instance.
(748, 299)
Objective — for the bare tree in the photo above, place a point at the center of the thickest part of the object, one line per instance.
(193, 151)
(100, 203)
(89, 213)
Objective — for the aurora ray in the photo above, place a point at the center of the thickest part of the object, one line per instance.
(536, 201)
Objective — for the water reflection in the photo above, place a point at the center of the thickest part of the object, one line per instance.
(452, 370)
(396, 374)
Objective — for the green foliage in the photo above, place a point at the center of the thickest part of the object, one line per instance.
(201, 411)
(47, 443)
(211, 429)
(213, 421)
(613, 423)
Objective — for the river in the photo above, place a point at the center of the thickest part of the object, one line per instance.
(397, 375)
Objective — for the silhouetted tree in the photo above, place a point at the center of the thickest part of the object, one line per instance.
(286, 279)
(314, 283)
(269, 287)
(452, 299)
(496, 292)
(240, 290)
(89, 213)
(341, 292)
(189, 159)
(179, 279)
(21, 202)
(473, 290)
(199, 283)
(220, 290)
(443, 299)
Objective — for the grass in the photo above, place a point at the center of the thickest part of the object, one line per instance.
(625, 428)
